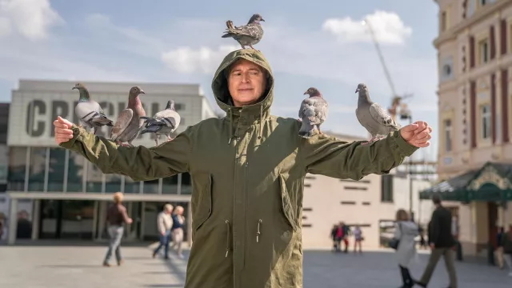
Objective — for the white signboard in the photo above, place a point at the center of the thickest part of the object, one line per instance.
(32, 114)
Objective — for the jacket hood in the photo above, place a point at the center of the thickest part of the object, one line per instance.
(220, 82)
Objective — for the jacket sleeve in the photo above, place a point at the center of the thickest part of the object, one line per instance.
(398, 231)
(332, 157)
(435, 232)
(160, 223)
(140, 163)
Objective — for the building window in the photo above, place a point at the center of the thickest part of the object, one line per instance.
(386, 188)
(444, 21)
(485, 111)
(179, 106)
(448, 135)
(483, 2)
(483, 47)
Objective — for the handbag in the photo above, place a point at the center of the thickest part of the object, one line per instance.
(394, 242)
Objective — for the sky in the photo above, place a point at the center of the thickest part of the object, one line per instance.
(308, 43)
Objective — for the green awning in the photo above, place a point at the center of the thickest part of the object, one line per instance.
(492, 182)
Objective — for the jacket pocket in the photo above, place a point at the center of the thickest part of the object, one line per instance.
(201, 199)
(288, 209)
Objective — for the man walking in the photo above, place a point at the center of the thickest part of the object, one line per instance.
(116, 217)
(164, 224)
(441, 242)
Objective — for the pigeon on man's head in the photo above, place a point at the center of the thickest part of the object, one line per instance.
(164, 122)
(312, 113)
(246, 35)
(373, 117)
(89, 112)
(128, 122)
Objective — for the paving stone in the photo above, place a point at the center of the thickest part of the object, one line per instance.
(61, 266)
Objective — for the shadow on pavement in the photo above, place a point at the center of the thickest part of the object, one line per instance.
(71, 266)
(76, 243)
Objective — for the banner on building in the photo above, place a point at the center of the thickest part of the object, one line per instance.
(32, 114)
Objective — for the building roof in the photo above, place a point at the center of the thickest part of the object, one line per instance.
(110, 87)
(491, 182)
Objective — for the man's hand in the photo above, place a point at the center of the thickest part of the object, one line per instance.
(417, 134)
(63, 132)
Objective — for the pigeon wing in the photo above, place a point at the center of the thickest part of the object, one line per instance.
(381, 116)
(123, 120)
(171, 118)
(246, 30)
(314, 109)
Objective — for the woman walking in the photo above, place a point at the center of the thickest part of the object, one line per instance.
(358, 239)
(405, 232)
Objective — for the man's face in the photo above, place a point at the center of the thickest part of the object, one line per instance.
(246, 82)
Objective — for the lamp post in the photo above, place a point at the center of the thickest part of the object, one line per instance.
(405, 113)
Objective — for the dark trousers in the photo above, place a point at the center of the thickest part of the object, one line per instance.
(449, 259)
(406, 277)
(164, 242)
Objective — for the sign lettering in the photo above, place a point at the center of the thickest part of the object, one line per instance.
(41, 114)
(36, 107)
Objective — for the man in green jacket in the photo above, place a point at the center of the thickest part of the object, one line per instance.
(248, 174)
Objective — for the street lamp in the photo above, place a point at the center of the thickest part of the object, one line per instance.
(405, 113)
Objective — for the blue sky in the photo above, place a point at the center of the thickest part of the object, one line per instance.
(309, 43)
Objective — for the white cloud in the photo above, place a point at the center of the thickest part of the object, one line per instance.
(387, 26)
(202, 60)
(30, 18)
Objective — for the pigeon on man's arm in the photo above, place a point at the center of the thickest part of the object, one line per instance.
(89, 112)
(312, 113)
(164, 122)
(373, 117)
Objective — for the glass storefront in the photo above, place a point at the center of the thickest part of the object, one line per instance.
(37, 169)
(66, 219)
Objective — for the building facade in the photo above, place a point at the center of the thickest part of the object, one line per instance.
(370, 203)
(474, 59)
(56, 194)
(70, 195)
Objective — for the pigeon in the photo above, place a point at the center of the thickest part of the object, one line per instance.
(246, 35)
(164, 122)
(312, 113)
(373, 117)
(128, 123)
(89, 112)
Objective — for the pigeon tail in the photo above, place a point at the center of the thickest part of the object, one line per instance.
(307, 130)
(150, 129)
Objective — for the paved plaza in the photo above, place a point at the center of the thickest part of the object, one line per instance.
(62, 266)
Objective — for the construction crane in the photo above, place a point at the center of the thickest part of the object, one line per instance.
(396, 100)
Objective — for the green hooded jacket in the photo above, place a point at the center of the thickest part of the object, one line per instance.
(247, 173)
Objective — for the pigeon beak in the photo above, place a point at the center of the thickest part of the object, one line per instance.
(142, 92)
(74, 88)
(305, 93)
(262, 19)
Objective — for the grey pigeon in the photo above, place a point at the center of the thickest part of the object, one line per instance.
(373, 117)
(164, 122)
(246, 35)
(312, 113)
(128, 122)
(88, 111)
